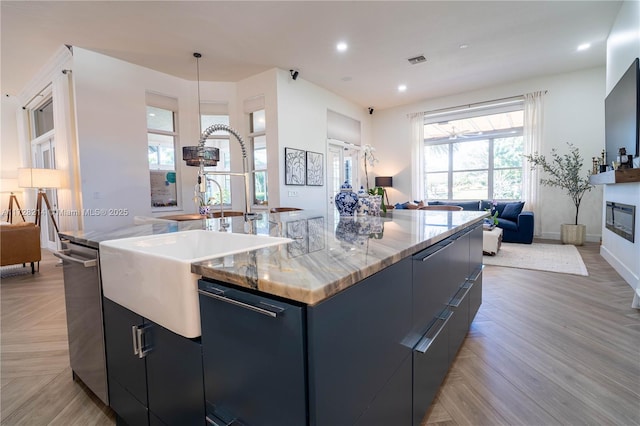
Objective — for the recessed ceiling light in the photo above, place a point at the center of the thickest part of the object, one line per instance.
(463, 46)
(402, 88)
(151, 114)
(584, 46)
(342, 46)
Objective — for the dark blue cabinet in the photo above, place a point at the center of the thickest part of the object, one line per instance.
(155, 375)
(126, 371)
(254, 358)
(358, 339)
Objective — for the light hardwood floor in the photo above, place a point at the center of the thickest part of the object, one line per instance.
(545, 349)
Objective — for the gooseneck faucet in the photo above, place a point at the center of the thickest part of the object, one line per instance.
(202, 180)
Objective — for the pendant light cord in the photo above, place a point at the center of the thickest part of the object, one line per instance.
(198, 56)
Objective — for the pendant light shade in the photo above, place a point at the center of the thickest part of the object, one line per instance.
(210, 157)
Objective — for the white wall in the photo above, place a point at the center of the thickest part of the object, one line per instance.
(112, 139)
(302, 124)
(10, 158)
(623, 46)
(112, 136)
(574, 112)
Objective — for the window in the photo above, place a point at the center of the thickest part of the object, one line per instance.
(43, 118)
(218, 140)
(258, 141)
(474, 155)
(162, 137)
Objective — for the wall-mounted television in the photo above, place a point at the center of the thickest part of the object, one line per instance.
(622, 114)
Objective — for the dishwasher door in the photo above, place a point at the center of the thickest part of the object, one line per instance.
(83, 298)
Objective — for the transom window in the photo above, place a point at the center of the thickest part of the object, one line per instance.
(474, 157)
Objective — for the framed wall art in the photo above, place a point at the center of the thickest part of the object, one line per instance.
(294, 166)
(315, 169)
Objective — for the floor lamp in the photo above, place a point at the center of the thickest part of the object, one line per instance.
(385, 182)
(41, 179)
(10, 186)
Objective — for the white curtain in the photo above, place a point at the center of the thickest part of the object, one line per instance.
(417, 149)
(532, 133)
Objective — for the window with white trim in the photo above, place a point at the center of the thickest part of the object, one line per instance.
(474, 153)
(210, 114)
(162, 136)
(258, 142)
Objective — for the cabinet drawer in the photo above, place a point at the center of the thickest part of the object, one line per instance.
(253, 357)
(430, 366)
(475, 294)
(475, 250)
(434, 283)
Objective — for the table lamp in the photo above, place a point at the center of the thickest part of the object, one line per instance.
(385, 182)
(10, 186)
(41, 179)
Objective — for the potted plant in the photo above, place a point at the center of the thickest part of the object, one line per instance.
(564, 172)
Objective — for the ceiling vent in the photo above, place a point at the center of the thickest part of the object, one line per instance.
(417, 59)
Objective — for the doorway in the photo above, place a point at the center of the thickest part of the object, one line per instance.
(43, 151)
(342, 165)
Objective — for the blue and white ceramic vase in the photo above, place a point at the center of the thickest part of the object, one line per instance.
(363, 202)
(346, 200)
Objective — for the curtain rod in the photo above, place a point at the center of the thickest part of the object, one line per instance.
(468, 106)
(36, 95)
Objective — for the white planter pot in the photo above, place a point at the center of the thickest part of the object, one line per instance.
(573, 234)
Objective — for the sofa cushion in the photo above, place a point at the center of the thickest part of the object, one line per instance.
(466, 205)
(511, 211)
(507, 224)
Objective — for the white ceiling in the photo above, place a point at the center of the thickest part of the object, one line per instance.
(508, 41)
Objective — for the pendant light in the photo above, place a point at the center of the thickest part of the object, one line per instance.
(209, 156)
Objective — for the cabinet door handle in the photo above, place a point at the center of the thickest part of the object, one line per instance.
(423, 345)
(476, 274)
(63, 254)
(143, 348)
(134, 334)
(456, 301)
(226, 299)
(424, 259)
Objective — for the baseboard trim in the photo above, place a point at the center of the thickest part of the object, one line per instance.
(621, 268)
(592, 238)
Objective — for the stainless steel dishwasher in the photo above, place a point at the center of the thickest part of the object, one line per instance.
(83, 299)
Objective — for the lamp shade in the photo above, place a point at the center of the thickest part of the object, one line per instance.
(39, 178)
(9, 185)
(384, 181)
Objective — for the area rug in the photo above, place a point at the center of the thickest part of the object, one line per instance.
(559, 258)
(14, 270)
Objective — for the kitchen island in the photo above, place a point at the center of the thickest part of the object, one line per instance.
(354, 322)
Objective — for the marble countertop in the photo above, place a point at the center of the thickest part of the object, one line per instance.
(328, 253)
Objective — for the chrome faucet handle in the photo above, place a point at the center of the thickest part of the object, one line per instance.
(224, 225)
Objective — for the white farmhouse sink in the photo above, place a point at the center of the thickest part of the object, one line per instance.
(152, 276)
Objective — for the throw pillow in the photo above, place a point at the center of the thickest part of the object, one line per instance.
(512, 211)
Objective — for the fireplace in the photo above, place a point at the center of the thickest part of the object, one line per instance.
(621, 219)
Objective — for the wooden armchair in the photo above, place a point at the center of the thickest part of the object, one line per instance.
(20, 243)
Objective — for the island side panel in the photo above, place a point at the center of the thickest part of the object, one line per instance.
(357, 341)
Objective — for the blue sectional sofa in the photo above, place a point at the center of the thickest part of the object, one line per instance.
(517, 225)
